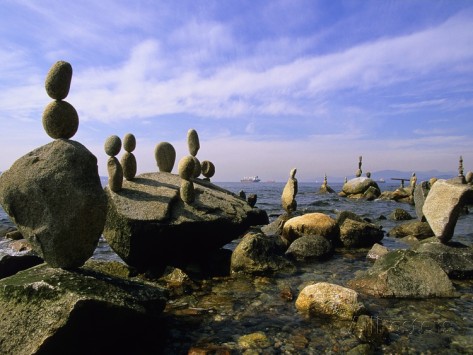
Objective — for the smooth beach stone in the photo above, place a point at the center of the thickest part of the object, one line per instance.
(193, 142)
(60, 120)
(128, 162)
(469, 177)
(129, 142)
(187, 191)
(113, 145)
(288, 198)
(165, 155)
(197, 168)
(58, 80)
(115, 174)
(208, 169)
(186, 167)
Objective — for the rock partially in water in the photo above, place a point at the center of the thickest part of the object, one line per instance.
(331, 300)
(310, 247)
(418, 229)
(149, 226)
(404, 274)
(54, 196)
(377, 251)
(359, 185)
(355, 234)
(456, 259)
(259, 254)
(53, 311)
(443, 206)
(311, 224)
(399, 214)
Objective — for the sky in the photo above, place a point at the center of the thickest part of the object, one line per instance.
(268, 85)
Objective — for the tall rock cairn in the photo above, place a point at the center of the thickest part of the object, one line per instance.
(165, 156)
(60, 118)
(288, 198)
(359, 171)
(112, 146)
(193, 144)
(128, 160)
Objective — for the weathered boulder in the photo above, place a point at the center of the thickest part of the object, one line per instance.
(149, 226)
(276, 226)
(54, 196)
(404, 274)
(356, 234)
(456, 259)
(326, 299)
(400, 214)
(310, 247)
(359, 185)
(53, 311)
(418, 229)
(420, 194)
(376, 252)
(399, 195)
(311, 224)
(258, 253)
(443, 206)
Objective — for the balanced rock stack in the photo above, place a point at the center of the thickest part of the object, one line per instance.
(194, 145)
(165, 156)
(128, 160)
(53, 194)
(288, 198)
(186, 170)
(112, 146)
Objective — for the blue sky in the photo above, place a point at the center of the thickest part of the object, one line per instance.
(268, 85)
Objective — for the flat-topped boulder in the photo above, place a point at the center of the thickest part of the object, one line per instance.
(149, 226)
(358, 186)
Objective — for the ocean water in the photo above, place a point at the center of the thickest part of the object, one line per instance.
(225, 308)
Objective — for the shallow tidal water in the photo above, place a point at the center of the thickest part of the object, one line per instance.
(256, 315)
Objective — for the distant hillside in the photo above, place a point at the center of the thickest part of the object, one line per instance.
(421, 175)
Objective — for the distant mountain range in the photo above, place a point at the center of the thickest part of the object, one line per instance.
(387, 175)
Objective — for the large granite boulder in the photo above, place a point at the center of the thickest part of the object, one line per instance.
(54, 196)
(149, 226)
(311, 224)
(456, 259)
(358, 186)
(443, 206)
(53, 311)
(404, 274)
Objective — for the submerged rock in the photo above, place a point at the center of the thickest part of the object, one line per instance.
(149, 226)
(54, 196)
(404, 274)
(53, 311)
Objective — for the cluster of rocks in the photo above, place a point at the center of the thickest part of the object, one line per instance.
(361, 187)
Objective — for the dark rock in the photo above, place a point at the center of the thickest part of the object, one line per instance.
(420, 230)
(149, 226)
(310, 248)
(11, 264)
(372, 193)
(400, 214)
(343, 215)
(369, 330)
(420, 194)
(259, 254)
(53, 311)
(276, 227)
(456, 259)
(54, 196)
(252, 198)
(58, 80)
(355, 234)
(404, 274)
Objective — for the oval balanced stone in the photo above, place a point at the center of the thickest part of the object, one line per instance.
(113, 145)
(187, 191)
(197, 168)
(58, 80)
(165, 155)
(115, 174)
(208, 169)
(129, 142)
(193, 142)
(60, 120)
(186, 167)
(128, 163)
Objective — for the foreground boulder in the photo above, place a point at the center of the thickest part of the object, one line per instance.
(149, 226)
(359, 234)
(417, 229)
(326, 299)
(310, 247)
(53, 311)
(311, 224)
(404, 274)
(54, 196)
(456, 259)
(443, 206)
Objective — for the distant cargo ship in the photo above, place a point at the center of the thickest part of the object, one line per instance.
(251, 179)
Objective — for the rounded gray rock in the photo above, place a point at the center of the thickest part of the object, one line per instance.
(113, 145)
(58, 80)
(115, 174)
(208, 169)
(129, 142)
(186, 167)
(165, 155)
(128, 163)
(187, 191)
(193, 142)
(60, 120)
(197, 168)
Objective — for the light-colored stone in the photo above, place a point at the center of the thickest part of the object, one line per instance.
(60, 120)
(311, 224)
(58, 80)
(443, 205)
(193, 142)
(186, 167)
(377, 251)
(328, 299)
(165, 155)
(288, 198)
